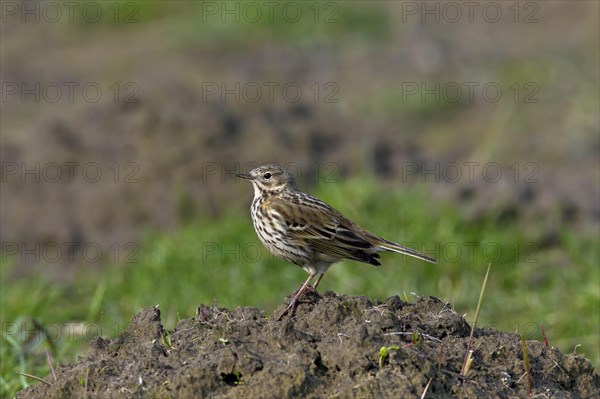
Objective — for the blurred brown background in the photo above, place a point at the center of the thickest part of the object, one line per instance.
(168, 100)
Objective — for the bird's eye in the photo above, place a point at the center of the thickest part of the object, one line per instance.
(267, 175)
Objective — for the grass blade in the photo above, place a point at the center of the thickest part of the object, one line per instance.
(527, 366)
(468, 360)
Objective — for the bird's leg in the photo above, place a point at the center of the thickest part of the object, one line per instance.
(318, 281)
(313, 288)
(308, 288)
(292, 306)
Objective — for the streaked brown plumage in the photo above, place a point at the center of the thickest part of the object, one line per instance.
(305, 231)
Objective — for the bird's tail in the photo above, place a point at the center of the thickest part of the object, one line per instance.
(386, 245)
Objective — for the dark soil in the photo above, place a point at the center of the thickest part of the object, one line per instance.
(330, 348)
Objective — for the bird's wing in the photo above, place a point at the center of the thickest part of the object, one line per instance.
(325, 229)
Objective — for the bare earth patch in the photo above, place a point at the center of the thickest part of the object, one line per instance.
(330, 348)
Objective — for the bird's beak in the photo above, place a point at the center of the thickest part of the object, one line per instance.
(244, 176)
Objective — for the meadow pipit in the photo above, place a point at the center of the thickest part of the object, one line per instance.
(307, 232)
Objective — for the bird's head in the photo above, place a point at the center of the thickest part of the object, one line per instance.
(270, 179)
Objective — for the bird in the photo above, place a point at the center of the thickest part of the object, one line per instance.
(307, 232)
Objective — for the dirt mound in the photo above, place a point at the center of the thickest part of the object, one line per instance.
(331, 347)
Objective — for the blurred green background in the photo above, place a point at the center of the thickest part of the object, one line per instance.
(470, 132)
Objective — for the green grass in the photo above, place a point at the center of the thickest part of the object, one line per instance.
(221, 260)
(237, 23)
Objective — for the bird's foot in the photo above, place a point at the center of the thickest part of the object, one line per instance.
(308, 290)
(297, 296)
(290, 309)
